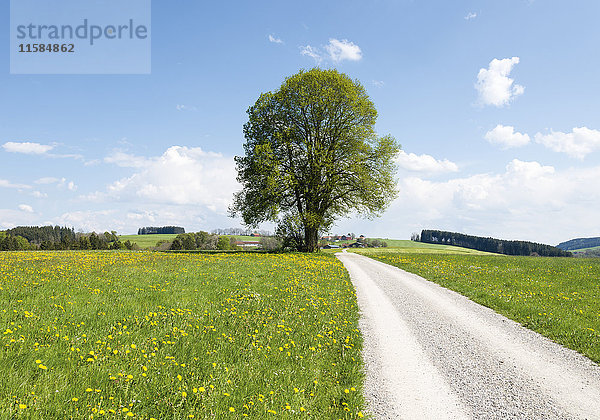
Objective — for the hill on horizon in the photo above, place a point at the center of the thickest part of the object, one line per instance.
(579, 243)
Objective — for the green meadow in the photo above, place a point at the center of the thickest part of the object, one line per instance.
(148, 241)
(177, 336)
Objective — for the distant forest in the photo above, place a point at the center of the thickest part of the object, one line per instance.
(579, 243)
(160, 230)
(498, 246)
(24, 238)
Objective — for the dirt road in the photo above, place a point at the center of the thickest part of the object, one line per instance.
(431, 353)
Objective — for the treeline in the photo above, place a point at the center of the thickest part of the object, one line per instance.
(160, 230)
(26, 238)
(240, 232)
(579, 243)
(38, 234)
(498, 246)
(202, 240)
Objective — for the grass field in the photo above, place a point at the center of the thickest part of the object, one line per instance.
(407, 246)
(557, 297)
(173, 336)
(147, 241)
(586, 249)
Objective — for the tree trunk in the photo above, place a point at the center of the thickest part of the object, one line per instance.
(311, 238)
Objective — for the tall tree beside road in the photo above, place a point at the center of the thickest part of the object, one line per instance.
(312, 156)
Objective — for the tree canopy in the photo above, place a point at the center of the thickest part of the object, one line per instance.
(312, 155)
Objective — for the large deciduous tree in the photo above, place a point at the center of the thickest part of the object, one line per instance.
(312, 155)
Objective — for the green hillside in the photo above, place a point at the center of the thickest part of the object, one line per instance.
(407, 246)
(147, 241)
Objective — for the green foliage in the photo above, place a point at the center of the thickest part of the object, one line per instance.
(270, 243)
(165, 230)
(557, 297)
(202, 240)
(312, 154)
(375, 243)
(39, 234)
(15, 243)
(223, 243)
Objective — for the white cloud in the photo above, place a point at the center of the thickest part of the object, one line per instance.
(528, 170)
(378, 83)
(181, 107)
(60, 182)
(27, 147)
(311, 52)
(470, 15)
(506, 136)
(336, 51)
(126, 160)
(274, 39)
(47, 180)
(39, 194)
(182, 176)
(26, 208)
(578, 143)
(10, 218)
(494, 85)
(528, 201)
(343, 50)
(127, 220)
(7, 184)
(424, 163)
(91, 220)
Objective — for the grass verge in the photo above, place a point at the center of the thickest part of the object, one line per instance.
(557, 297)
(159, 335)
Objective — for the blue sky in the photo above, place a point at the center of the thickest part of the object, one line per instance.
(495, 105)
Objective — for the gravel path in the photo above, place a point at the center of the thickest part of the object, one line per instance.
(431, 353)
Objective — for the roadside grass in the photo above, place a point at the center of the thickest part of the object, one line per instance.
(172, 336)
(557, 297)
